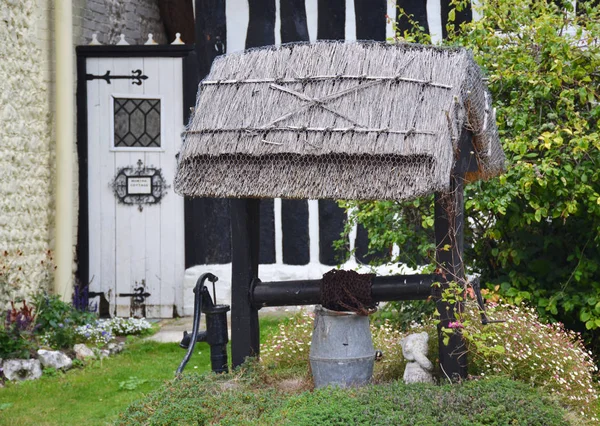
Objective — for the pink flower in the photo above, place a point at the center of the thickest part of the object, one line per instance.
(456, 324)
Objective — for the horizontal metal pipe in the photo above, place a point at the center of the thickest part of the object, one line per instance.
(307, 292)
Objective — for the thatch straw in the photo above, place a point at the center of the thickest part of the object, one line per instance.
(358, 120)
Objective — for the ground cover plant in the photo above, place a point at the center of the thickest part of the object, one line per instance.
(256, 397)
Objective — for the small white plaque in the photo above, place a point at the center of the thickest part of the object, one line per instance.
(139, 185)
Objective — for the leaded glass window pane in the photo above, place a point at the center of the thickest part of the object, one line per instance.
(137, 123)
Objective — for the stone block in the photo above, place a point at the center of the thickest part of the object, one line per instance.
(22, 369)
(54, 359)
(82, 352)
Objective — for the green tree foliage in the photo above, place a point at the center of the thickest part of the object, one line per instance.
(534, 232)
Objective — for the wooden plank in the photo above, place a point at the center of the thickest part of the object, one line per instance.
(171, 230)
(206, 220)
(331, 225)
(128, 245)
(106, 173)
(211, 27)
(294, 26)
(261, 23)
(157, 84)
(449, 237)
(331, 20)
(370, 19)
(245, 235)
(178, 225)
(94, 200)
(137, 247)
(82, 249)
(178, 17)
(267, 232)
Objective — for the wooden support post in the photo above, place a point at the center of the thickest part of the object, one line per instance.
(245, 340)
(449, 232)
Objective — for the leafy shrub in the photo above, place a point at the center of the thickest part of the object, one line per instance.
(51, 311)
(546, 356)
(404, 314)
(245, 399)
(16, 332)
(534, 231)
(57, 321)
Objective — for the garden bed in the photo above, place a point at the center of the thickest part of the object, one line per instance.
(256, 396)
(53, 335)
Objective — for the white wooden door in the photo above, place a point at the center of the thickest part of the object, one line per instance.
(136, 235)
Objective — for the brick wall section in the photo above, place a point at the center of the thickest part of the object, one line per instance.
(111, 18)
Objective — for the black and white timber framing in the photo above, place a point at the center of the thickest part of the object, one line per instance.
(267, 22)
(225, 27)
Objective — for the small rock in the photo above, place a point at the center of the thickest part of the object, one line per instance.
(104, 353)
(22, 369)
(82, 352)
(54, 359)
(115, 348)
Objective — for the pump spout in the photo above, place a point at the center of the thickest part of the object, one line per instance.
(216, 334)
(199, 291)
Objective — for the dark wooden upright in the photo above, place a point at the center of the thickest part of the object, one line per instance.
(449, 232)
(245, 247)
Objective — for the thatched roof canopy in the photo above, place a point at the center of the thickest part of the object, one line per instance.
(336, 120)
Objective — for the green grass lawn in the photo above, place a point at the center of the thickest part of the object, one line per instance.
(92, 395)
